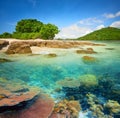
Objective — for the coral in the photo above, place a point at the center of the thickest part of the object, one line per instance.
(19, 100)
(96, 108)
(88, 80)
(69, 82)
(67, 108)
(113, 106)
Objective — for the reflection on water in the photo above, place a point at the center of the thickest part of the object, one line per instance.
(44, 72)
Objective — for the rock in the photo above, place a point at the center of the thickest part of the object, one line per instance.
(4, 60)
(89, 59)
(113, 107)
(88, 80)
(110, 48)
(3, 43)
(23, 47)
(51, 55)
(18, 48)
(87, 51)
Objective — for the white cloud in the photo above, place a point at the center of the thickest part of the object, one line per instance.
(115, 24)
(111, 15)
(73, 31)
(100, 27)
(80, 28)
(90, 21)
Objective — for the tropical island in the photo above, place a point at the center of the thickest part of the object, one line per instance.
(43, 77)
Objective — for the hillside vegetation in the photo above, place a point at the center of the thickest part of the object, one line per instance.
(108, 33)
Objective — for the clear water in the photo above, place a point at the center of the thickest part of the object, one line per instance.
(42, 71)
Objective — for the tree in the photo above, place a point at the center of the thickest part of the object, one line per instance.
(48, 31)
(28, 26)
(6, 35)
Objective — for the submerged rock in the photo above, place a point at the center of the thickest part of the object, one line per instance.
(2, 60)
(89, 59)
(51, 55)
(87, 51)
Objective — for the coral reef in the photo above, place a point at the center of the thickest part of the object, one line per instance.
(113, 107)
(66, 108)
(19, 100)
(69, 82)
(88, 80)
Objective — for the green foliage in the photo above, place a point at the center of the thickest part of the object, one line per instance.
(108, 33)
(26, 35)
(28, 26)
(6, 35)
(48, 31)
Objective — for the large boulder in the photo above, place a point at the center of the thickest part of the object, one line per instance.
(3, 43)
(18, 48)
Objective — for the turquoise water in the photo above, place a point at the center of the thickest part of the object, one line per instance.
(44, 72)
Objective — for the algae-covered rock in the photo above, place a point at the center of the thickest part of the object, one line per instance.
(85, 51)
(51, 55)
(2, 60)
(88, 80)
(89, 59)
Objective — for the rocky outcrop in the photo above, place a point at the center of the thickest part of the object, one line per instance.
(19, 48)
(3, 43)
(23, 47)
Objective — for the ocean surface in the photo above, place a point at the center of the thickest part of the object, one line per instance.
(44, 71)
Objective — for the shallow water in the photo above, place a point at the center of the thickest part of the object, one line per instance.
(43, 71)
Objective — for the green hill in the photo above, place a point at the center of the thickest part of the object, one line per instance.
(108, 33)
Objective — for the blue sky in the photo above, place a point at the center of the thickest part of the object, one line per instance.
(73, 17)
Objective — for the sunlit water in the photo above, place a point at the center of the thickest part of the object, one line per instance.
(44, 72)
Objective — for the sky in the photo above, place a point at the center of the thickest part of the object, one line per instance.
(74, 18)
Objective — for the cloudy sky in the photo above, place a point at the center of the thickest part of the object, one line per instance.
(74, 18)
